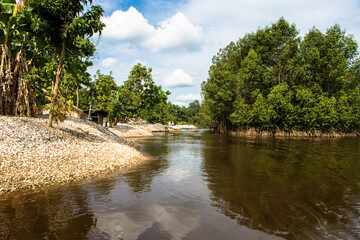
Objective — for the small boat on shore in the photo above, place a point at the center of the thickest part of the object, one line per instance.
(188, 130)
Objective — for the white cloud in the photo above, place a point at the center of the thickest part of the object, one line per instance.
(228, 20)
(179, 78)
(189, 97)
(220, 21)
(180, 103)
(176, 32)
(109, 62)
(127, 26)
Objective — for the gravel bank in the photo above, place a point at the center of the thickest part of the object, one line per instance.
(126, 130)
(32, 154)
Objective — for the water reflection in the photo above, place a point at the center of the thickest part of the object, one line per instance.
(203, 186)
(155, 209)
(140, 179)
(297, 189)
(46, 215)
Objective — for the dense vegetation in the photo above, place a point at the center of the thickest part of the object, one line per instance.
(138, 97)
(273, 80)
(46, 49)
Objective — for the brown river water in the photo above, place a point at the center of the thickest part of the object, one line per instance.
(204, 186)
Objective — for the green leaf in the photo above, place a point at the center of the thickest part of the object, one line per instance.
(7, 8)
(8, 1)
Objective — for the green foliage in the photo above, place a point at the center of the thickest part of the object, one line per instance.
(104, 87)
(65, 28)
(16, 43)
(272, 80)
(251, 76)
(261, 114)
(142, 97)
(280, 100)
(9, 21)
(45, 46)
(115, 107)
(139, 96)
(176, 114)
(193, 113)
(242, 113)
(65, 19)
(156, 114)
(60, 109)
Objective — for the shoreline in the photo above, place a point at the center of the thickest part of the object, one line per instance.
(315, 134)
(33, 155)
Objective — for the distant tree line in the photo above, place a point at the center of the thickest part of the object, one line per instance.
(138, 98)
(273, 80)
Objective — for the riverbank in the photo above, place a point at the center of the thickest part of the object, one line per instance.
(32, 154)
(129, 131)
(254, 133)
(145, 129)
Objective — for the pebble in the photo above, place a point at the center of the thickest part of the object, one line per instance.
(33, 154)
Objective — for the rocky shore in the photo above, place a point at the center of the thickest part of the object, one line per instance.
(32, 154)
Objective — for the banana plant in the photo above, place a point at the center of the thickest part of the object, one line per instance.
(16, 96)
(8, 13)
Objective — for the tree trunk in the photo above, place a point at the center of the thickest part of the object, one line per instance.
(279, 76)
(25, 92)
(55, 89)
(90, 107)
(77, 96)
(2, 80)
(113, 122)
(89, 115)
(223, 127)
(7, 86)
(100, 119)
(17, 97)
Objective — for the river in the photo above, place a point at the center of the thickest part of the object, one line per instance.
(204, 186)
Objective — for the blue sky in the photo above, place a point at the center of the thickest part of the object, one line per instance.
(178, 39)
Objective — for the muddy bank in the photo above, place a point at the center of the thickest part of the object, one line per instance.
(253, 132)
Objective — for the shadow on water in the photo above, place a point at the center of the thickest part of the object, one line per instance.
(140, 178)
(293, 188)
(46, 215)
